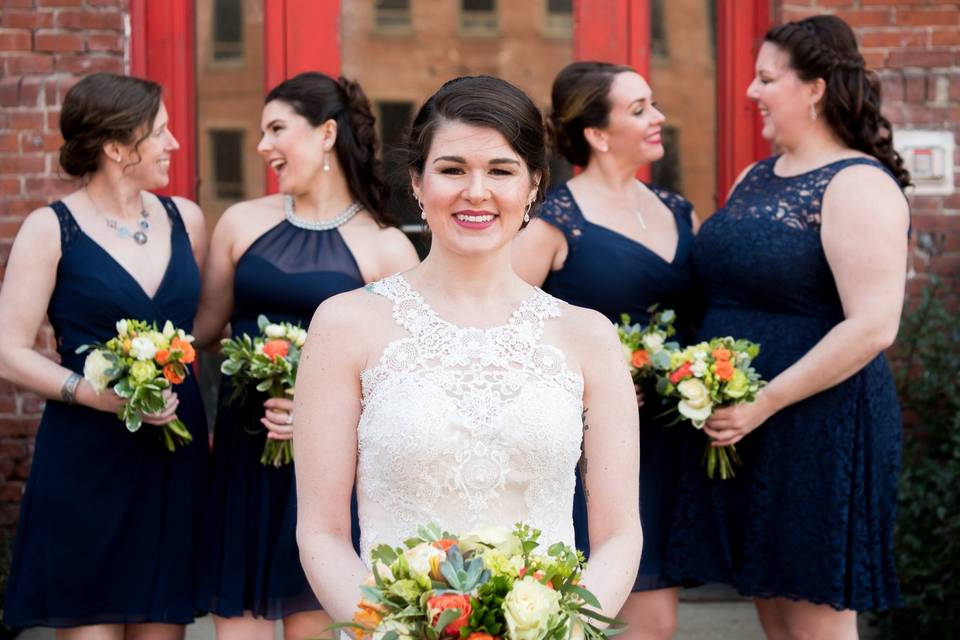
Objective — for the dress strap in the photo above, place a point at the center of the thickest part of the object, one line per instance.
(172, 211)
(409, 309)
(561, 210)
(69, 229)
(681, 208)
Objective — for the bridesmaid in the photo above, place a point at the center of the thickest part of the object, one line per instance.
(281, 256)
(807, 258)
(105, 544)
(606, 241)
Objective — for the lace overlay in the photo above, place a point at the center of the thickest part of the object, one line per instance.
(467, 427)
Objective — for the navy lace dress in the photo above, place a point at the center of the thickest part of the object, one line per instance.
(810, 514)
(110, 519)
(254, 560)
(607, 271)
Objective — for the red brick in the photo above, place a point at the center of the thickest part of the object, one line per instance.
(895, 3)
(947, 264)
(53, 119)
(22, 470)
(867, 17)
(897, 38)
(30, 90)
(9, 516)
(106, 3)
(22, 207)
(9, 186)
(87, 19)
(17, 426)
(18, 4)
(13, 19)
(9, 92)
(10, 163)
(60, 3)
(58, 41)
(928, 17)
(28, 63)
(11, 491)
(915, 87)
(84, 64)
(31, 404)
(945, 37)
(8, 141)
(40, 141)
(911, 58)
(25, 119)
(8, 403)
(49, 186)
(15, 40)
(13, 448)
(105, 42)
(875, 59)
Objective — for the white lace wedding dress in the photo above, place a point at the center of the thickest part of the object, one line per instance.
(467, 427)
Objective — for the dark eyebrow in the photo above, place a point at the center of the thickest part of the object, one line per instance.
(640, 100)
(460, 160)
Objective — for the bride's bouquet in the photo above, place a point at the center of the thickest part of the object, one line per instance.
(709, 375)
(647, 347)
(139, 363)
(489, 584)
(270, 362)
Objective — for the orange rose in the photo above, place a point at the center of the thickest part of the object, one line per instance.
(162, 356)
(640, 358)
(368, 618)
(174, 373)
(683, 371)
(721, 354)
(723, 369)
(438, 604)
(274, 348)
(189, 355)
(476, 635)
(538, 575)
(444, 544)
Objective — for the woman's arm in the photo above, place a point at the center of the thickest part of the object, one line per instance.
(610, 466)
(537, 250)
(327, 411)
(864, 233)
(27, 286)
(216, 297)
(196, 227)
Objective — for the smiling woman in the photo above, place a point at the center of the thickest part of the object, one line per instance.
(459, 398)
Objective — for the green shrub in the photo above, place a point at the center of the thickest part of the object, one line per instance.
(928, 520)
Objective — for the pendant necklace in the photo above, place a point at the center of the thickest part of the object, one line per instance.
(139, 234)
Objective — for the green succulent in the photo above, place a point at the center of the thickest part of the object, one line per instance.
(463, 577)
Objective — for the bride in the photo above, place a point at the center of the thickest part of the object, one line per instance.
(456, 393)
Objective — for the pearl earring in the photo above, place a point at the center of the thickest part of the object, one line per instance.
(326, 162)
(526, 212)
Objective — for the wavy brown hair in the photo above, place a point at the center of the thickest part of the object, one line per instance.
(825, 47)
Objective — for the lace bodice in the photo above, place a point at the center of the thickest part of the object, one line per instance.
(467, 427)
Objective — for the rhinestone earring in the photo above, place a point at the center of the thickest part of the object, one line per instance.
(526, 213)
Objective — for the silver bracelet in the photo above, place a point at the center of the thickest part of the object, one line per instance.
(68, 392)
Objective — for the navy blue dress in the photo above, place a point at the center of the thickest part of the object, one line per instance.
(810, 514)
(254, 560)
(110, 519)
(610, 273)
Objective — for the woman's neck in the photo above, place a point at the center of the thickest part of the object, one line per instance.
(326, 198)
(474, 279)
(816, 147)
(113, 196)
(609, 175)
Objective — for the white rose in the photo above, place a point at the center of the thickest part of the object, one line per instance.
(168, 330)
(499, 537)
(418, 558)
(300, 337)
(529, 609)
(275, 331)
(653, 342)
(699, 355)
(143, 348)
(95, 369)
(696, 403)
(122, 326)
(403, 631)
(699, 368)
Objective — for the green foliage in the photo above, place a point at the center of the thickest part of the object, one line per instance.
(487, 606)
(928, 519)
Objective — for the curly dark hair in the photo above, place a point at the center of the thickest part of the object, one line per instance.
(318, 98)
(825, 47)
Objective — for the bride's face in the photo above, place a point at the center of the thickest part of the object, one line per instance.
(474, 189)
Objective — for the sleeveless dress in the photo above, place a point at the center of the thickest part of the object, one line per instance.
(610, 273)
(254, 562)
(467, 427)
(110, 519)
(810, 514)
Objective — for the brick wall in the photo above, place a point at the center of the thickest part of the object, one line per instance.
(915, 45)
(45, 46)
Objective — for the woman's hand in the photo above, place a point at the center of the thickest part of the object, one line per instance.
(169, 412)
(728, 425)
(278, 418)
(106, 400)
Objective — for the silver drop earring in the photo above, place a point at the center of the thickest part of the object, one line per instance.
(526, 213)
(423, 214)
(813, 112)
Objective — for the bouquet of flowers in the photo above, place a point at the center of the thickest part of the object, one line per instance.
(709, 375)
(139, 363)
(270, 361)
(490, 584)
(647, 348)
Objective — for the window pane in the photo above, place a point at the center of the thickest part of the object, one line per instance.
(479, 5)
(227, 29)
(684, 86)
(227, 148)
(560, 6)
